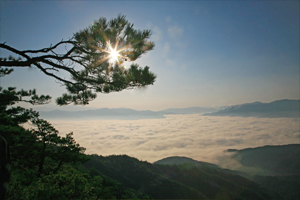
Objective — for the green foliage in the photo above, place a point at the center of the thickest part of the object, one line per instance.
(287, 187)
(117, 33)
(173, 182)
(10, 96)
(70, 182)
(43, 163)
(5, 71)
(54, 149)
(88, 60)
(93, 44)
(142, 177)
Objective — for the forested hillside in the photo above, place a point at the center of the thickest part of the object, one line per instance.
(274, 167)
(177, 182)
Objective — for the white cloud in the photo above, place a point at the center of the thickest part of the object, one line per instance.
(202, 138)
(175, 31)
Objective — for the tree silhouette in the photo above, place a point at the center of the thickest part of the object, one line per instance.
(94, 59)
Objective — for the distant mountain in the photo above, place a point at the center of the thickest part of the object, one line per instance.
(120, 113)
(280, 108)
(103, 113)
(283, 160)
(190, 110)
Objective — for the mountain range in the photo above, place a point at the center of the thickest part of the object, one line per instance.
(279, 108)
(190, 110)
(121, 113)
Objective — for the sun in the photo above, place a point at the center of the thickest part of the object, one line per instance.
(113, 55)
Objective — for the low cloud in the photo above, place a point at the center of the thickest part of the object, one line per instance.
(203, 138)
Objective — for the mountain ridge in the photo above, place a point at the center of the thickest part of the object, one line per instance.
(178, 160)
(278, 108)
(274, 109)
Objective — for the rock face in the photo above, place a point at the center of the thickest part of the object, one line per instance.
(280, 108)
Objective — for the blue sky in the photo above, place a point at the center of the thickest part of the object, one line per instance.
(207, 53)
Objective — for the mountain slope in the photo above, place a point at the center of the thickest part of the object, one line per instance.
(280, 108)
(276, 168)
(173, 182)
(281, 160)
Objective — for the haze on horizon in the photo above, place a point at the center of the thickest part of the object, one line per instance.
(207, 53)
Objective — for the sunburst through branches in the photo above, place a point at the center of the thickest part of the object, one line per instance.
(113, 54)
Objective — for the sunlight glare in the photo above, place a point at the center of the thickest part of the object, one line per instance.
(114, 55)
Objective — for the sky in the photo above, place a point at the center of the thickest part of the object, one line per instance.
(207, 53)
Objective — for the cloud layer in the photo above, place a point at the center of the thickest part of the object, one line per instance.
(202, 138)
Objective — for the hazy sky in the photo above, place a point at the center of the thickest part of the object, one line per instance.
(207, 53)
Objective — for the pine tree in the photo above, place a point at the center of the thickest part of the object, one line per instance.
(94, 60)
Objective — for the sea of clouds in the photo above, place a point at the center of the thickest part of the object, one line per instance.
(203, 138)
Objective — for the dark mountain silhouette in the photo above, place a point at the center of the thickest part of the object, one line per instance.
(279, 108)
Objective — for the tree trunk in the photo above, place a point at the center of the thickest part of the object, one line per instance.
(42, 159)
(59, 165)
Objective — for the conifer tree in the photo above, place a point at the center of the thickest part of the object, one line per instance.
(94, 59)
